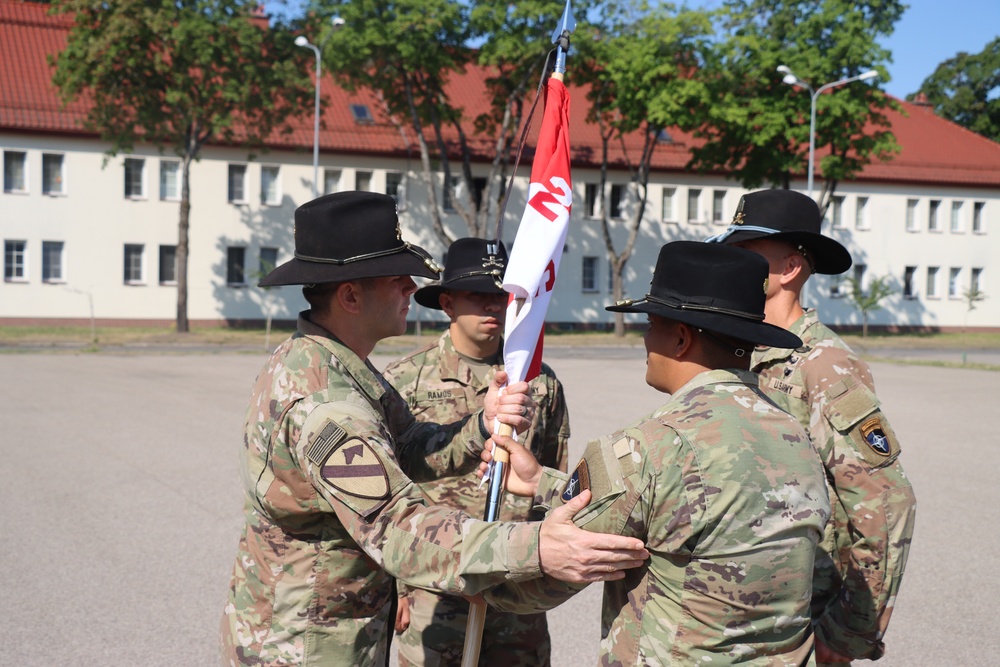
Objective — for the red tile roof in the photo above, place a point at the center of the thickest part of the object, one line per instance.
(934, 151)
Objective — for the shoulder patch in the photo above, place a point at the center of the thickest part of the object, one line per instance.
(321, 446)
(874, 434)
(354, 468)
(578, 481)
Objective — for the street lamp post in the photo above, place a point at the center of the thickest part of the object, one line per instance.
(793, 80)
(336, 24)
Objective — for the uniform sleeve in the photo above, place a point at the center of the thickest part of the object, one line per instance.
(427, 451)
(873, 510)
(349, 463)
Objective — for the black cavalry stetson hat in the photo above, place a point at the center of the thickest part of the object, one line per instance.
(786, 215)
(346, 236)
(470, 266)
(715, 287)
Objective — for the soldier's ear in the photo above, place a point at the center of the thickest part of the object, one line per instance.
(447, 304)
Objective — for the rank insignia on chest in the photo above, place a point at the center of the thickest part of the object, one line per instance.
(579, 481)
(874, 434)
(354, 468)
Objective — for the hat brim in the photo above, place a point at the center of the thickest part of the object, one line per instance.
(758, 333)
(427, 296)
(296, 271)
(830, 256)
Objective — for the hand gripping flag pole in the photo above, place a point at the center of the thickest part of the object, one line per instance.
(531, 275)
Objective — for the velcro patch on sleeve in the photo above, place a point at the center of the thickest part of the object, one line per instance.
(579, 481)
(322, 445)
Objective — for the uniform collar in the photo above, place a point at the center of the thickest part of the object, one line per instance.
(452, 366)
(800, 328)
(364, 375)
(717, 376)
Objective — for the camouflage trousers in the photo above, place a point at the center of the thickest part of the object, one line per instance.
(436, 635)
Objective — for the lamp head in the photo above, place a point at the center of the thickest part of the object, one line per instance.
(301, 41)
(783, 69)
(337, 22)
(870, 74)
(790, 79)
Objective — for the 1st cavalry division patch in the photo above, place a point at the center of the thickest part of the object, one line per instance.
(351, 465)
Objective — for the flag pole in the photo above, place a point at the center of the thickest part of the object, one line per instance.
(501, 458)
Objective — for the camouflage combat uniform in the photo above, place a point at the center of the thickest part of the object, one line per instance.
(331, 517)
(440, 385)
(729, 498)
(863, 554)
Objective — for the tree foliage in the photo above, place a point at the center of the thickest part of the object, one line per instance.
(756, 128)
(868, 302)
(966, 90)
(177, 74)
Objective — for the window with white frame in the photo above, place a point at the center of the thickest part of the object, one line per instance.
(909, 289)
(956, 217)
(976, 280)
(694, 196)
(52, 261)
(933, 223)
(589, 281)
(331, 181)
(394, 185)
(669, 214)
(861, 213)
(168, 265)
(363, 182)
(718, 204)
(135, 169)
(836, 286)
(53, 176)
(170, 180)
(616, 208)
(133, 264)
(835, 212)
(954, 289)
(15, 260)
(911, 215)
(237, 193)
(932, 282)
(611, 277)
(591, 202)
(978, 225)
(235, 266)
(15, 171)
(270, 190)
(268, 259)
(860, 271)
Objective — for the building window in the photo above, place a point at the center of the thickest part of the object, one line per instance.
(589, 282)
(668, 205)
(718, 202)
(478, 190)
(52, 261)
(270, 193)
(331, 181)
(611, 277)
(134, 170)
(693, 196)
(956, 217)
(835, 213)
(932, 280)
(836, 286)
(954, 273)
(911, 216)
(591, 202)
(394, 185)
(133, 264)
(235, 272)
(861, 213)
(977, 218)
(170, 176)
(933, 224)
(615, 206)
(268, 260)
(15, 170)
(859, 276)
(237, 184)
(362, 115)
(363, 181)
(909, 290)
(14, 260)
(168, 264)
(53, 182)
(976, 281)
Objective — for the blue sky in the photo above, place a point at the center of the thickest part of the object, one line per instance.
(930, 32)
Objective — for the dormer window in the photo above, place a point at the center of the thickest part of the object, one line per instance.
(362, 115)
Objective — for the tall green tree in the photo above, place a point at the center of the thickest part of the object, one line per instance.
(868, 302)
(639, 68)
(966, 89)
(757, 128)
(178, 74)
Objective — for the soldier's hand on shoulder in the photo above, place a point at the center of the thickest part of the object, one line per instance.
(576, 556)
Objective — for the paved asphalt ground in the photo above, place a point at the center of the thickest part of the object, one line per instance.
(121, 508)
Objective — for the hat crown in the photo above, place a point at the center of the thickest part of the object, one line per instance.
(472, 257)
(780, 210)
(346, 225)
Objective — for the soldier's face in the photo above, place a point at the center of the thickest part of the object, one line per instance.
(661, 341)
(476, 320)
(387, 301)
(777, 255)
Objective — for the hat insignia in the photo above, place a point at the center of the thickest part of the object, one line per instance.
(492, 260)
(739, 218)
(767, 282)
(399, 232)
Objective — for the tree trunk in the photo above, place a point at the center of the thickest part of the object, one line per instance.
(864, 326)
(425, 161)
(182, 246)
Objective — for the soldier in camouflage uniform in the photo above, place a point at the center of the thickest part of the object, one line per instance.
(830, 391)
(721, 484)
(445, 381)
(330, 515)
